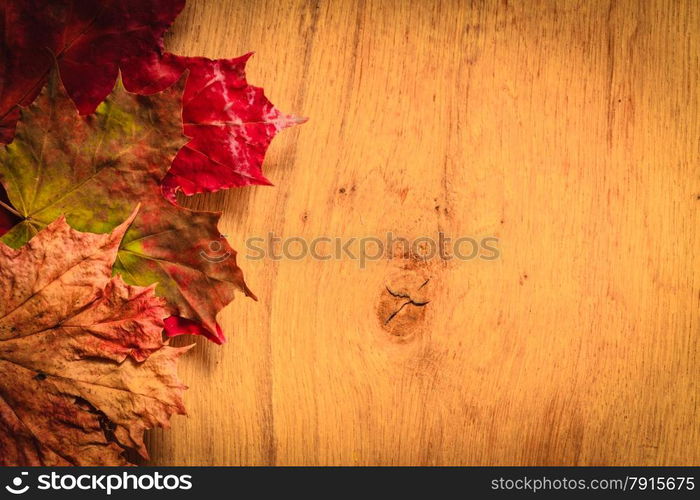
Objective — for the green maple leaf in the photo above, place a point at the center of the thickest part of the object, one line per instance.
(94, 170)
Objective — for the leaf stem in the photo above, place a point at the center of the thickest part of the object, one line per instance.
(10, 209)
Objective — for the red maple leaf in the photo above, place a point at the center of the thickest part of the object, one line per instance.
(231, 123)
(88, 39)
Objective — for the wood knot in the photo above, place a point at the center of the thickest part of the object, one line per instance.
(402, 304)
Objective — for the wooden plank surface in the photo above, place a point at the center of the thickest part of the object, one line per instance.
(567, 129)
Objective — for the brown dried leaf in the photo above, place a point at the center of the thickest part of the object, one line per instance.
(83, 368)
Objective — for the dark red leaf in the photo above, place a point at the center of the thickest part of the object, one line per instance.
(89, 39)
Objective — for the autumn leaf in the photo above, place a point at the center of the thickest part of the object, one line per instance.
(230, 122)
(90, 40)
(94, 170)
(83, 369)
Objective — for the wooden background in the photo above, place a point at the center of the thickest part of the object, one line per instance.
(568, 129)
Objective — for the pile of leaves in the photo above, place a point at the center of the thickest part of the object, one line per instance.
(99, 265)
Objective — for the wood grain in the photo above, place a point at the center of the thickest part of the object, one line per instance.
(567, 129)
